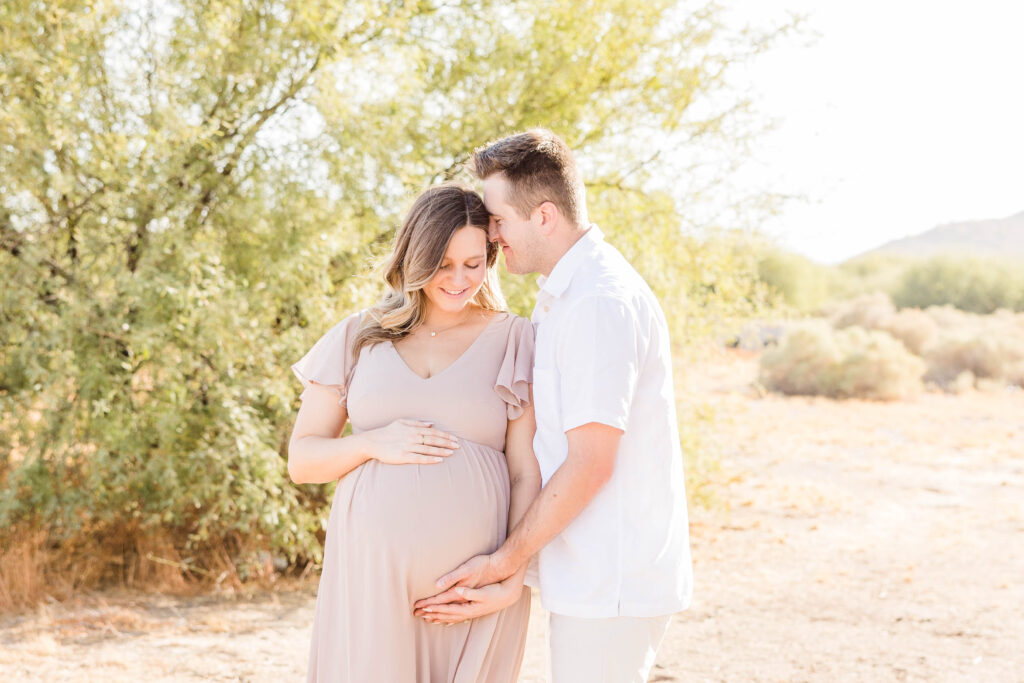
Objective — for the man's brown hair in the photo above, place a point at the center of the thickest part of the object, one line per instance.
(539, 168)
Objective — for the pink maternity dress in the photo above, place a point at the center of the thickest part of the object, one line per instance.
(394, 529)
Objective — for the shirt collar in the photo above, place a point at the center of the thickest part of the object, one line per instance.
(561, 275)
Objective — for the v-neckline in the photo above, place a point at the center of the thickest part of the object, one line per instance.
(454, 362)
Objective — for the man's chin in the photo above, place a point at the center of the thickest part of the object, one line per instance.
(513, 267)
(510, 266)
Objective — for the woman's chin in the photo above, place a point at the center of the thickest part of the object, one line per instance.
(450, 304)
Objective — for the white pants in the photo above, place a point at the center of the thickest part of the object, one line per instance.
(611, 650)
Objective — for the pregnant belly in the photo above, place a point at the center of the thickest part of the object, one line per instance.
(414, 523)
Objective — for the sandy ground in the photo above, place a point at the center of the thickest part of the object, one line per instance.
(851, 541)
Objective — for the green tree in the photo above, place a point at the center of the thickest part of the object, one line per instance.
(191, 192)
(797, 280)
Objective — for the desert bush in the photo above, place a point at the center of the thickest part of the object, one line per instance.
(912, 326)
(984, 357)
(815, 359)
(803, 362)
(976, 349)
(948, 318)
(867, 311)
(959, 350)
(973, 284)
(915, 328)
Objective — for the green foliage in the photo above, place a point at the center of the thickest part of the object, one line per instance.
(798, 281)
(870, 273)
(968, 283)
(815, 359)
(703, 282)
(191, 193)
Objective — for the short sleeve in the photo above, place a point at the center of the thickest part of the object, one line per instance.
(598, 362)
(330, 363)
(516, 372)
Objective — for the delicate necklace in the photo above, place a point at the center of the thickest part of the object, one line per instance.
(433, 333)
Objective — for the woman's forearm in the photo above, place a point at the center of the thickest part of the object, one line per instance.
(316, 459)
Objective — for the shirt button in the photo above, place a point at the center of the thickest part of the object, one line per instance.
(547, 308)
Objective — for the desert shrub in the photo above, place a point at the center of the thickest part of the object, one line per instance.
(867, 311)
(915, 328)
(948, 318)
(984, 357)
(975, 349)
(971, 284)
(912, 326)
(802, 361)
(960, 350)
(815, 359)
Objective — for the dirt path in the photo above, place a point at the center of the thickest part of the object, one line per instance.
(854, 541)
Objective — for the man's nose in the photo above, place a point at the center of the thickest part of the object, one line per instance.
(492, 231)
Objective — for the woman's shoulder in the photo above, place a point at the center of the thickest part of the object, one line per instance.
(344, 331)
(510, 322)
(351, 322)
(505, 317)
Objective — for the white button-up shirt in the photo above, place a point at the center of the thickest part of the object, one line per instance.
(603, 355)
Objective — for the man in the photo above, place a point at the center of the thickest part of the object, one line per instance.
(609, 526)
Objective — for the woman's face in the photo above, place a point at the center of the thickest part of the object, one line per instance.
(462, 271)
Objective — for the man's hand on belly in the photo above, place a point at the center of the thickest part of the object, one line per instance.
(475, 572)
(459, 604)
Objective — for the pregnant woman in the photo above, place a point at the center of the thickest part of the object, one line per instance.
(435, 380)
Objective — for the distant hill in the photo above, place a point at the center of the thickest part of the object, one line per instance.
(1003, 236)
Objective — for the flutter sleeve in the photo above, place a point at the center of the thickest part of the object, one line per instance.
(330, 363)
(516, 372)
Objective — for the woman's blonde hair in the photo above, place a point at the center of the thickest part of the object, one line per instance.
(419, 249)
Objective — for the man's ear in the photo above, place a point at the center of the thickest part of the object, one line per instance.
(549, 215)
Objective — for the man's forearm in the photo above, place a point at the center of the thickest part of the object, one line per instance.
(570, 489)
(524, 491)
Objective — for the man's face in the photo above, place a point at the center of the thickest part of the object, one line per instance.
(519, 238)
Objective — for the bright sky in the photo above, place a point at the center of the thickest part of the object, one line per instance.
(894, 116)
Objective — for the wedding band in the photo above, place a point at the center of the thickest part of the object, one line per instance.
(422, 440)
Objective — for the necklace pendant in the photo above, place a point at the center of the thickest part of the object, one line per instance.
(434, 333)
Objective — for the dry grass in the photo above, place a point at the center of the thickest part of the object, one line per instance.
(35, 568)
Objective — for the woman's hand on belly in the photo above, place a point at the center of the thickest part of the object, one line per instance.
(409, 442)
